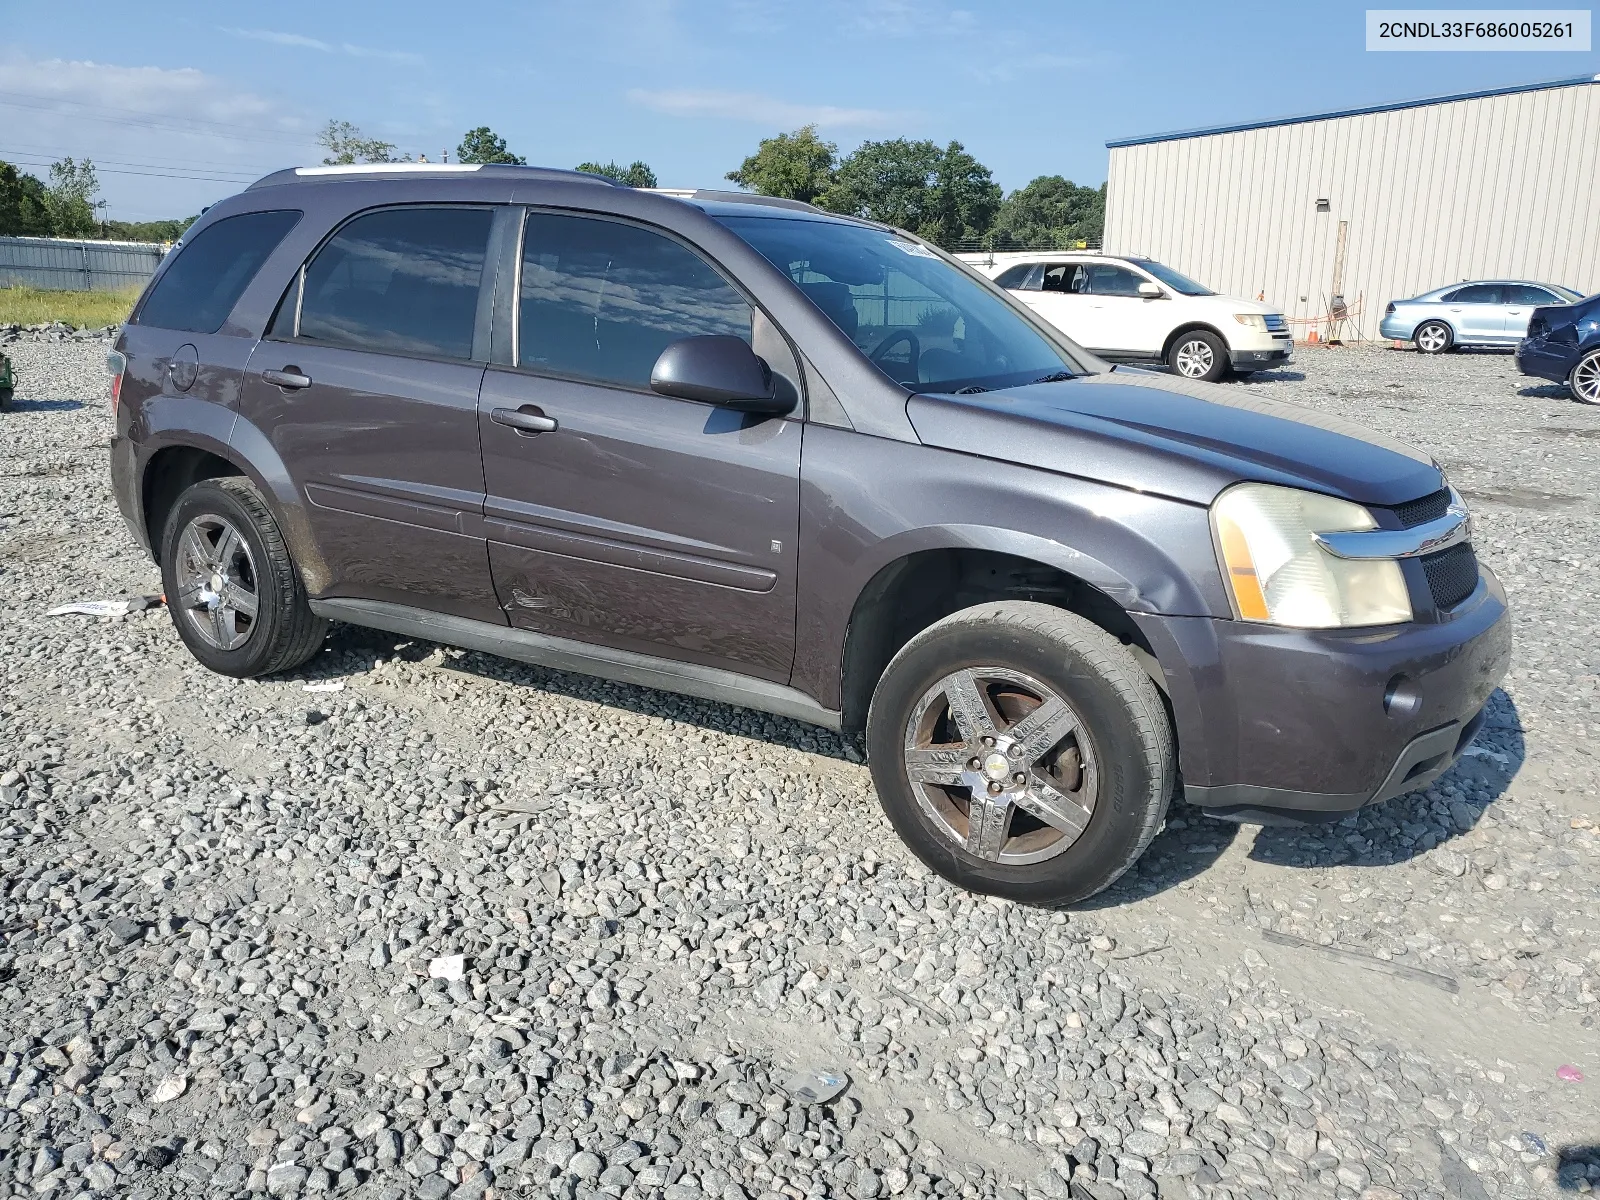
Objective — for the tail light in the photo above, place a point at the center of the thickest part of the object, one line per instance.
(117, 364)
(1389, 309)
(1537, 325)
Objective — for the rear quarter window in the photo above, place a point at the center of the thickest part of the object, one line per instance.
(199, 289)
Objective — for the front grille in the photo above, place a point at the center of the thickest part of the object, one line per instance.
(1276, 323)
(1452, 574)
(1419, 512)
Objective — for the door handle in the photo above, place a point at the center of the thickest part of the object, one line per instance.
(528, 421)
(289, 378)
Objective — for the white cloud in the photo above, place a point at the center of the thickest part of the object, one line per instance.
(403, 58)
(1006, 68)
(166, 141)
(751, 106)
(911, 18)
(276, 37)
(281, 39)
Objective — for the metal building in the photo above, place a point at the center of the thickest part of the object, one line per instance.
(1373, 204)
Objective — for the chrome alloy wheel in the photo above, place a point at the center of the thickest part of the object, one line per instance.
(1432, 337)
(1002, 765)
(216, 582)
(1195, 358)
(1585, 380)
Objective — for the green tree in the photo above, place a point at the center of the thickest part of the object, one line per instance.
(1051, 213)
(24, 204)
(484, 145)
(73, 198)
(795, 166)
(346, 144)
(147, 231)
(944, 195)
(635, 175)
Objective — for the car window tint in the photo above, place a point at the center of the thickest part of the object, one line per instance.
(200, 287)
(1478, 293)
(1524, 293)
(601, 300)
(1106, 280)
(403, 281)
(1013, 277)
(1058, 277)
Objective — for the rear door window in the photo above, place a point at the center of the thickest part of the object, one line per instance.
(199, 289)
(1014, 277)
(602, 299)
(399, 281)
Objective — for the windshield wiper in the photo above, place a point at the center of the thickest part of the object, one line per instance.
(972, 389)
(1056, 377)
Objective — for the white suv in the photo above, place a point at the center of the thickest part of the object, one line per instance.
(1134, 309)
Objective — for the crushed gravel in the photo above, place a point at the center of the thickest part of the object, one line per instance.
(419, 922)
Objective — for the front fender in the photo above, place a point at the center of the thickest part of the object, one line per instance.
(868, 502)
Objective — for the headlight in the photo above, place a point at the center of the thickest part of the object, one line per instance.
(1251, 321)
(1278, 574)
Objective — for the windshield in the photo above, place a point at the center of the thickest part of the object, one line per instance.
(1175, 280)
(926, 324)
(1570, 295)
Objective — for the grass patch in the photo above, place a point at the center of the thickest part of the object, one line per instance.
(23, 305)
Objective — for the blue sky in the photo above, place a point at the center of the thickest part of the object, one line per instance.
(217, 97)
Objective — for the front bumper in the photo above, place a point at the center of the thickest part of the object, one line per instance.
(1539, 358)
(1313, 724)
(1256, 360)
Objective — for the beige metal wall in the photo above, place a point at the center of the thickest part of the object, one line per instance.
(1497, 187)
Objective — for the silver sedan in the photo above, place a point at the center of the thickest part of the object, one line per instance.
(1482, 313)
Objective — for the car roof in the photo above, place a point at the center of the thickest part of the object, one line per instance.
(712, 201)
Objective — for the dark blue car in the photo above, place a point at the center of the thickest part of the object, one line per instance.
(1563, 344)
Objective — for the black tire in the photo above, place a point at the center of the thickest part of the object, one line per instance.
(1439, 337)
(284, 633)
(5, 397)
(1198, 354)
(1128, 733)
(1583, 381)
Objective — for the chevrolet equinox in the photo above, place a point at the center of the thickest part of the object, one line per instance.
(742, 449)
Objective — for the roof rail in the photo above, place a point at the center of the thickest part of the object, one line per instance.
(367, 170)
(734, 198)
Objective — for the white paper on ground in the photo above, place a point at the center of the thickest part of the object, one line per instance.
(91, 608)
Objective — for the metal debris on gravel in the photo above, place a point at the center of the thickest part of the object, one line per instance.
(224, 906)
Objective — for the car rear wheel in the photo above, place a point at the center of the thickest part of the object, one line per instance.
(1433, 337)
(1585, 378)
(1020, 750)
(233, 591)
(5, 398)
(1198, 355)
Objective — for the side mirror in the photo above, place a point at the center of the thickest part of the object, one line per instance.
(1150, 291)
(717, 369)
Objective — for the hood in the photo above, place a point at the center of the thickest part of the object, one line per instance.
(1174, 437)
(1228, 305)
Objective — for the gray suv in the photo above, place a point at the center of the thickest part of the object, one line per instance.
(746, 450)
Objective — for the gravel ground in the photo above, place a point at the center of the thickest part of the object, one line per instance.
(230, 913)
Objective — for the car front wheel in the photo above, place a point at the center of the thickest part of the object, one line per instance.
(233, 591)
(1199, 355)
(1585, 378)
(1021, 751)
(1433, 337)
